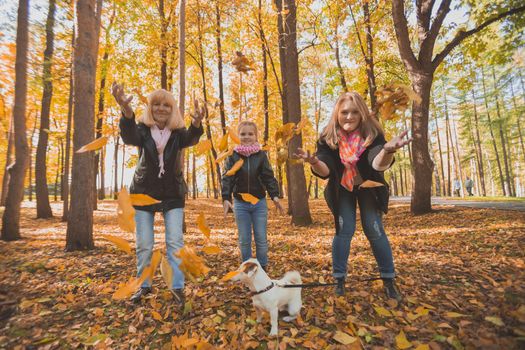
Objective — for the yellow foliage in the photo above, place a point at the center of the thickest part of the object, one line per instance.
(223, 143)
(203, 227)
(223, 155)
(202, 147)
(191, 264)
(211, 249)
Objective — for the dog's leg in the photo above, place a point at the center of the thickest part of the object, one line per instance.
(274, 318)
(259, 313)
(294, 307)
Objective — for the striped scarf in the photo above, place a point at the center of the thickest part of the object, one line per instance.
(351, 146)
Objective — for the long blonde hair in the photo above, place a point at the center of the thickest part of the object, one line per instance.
(369, 127)
(175, 120)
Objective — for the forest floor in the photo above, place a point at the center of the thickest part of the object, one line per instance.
(461, 270)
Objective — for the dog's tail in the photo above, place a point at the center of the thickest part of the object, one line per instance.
(292, 277)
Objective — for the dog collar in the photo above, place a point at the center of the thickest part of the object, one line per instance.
(263, 290)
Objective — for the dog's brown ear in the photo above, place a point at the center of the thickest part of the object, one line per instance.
(250, 268)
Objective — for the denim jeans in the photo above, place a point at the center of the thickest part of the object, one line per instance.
(249, 215)
(372, 222)
(174, 242)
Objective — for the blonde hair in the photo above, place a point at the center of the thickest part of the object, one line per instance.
(248, 123)
(369, 126)
(175, 120)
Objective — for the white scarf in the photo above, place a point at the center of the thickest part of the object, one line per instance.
(161, 138)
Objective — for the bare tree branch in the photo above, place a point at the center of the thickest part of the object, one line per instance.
(427, 44)
(402, 35)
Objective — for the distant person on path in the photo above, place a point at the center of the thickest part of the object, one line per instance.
(457, 187)
(352, 151)
(468, 185)
(160, 136)
(256, 178)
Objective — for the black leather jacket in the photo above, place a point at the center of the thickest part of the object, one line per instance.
(364, 165)
(170, 188)
(253, 177)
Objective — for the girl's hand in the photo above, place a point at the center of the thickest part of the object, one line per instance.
(199, 111)
(278, 205)
(117, 91)
(227, 205)
(306, 156)
(397, 142)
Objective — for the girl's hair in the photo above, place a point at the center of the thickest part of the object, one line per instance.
(175, 120)
(248, 123)
(369, 126)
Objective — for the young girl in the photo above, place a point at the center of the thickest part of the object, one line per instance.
(351, 150)
(160, 136)
(253, 177)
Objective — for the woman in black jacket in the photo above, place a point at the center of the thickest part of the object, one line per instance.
(254, 177)
(353, 154)
(160, 136)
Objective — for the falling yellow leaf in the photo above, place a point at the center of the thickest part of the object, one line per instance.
(284, 133)
(128, 289)
(223, 143)
(152, 267)
(191, 264)
(382, 311)
(125, 211)
(223, 155)
(93, 146)
(234, 136)
(495, 320)
(249, 198)
(166, 272)
(344, 338)
(402, 342)
(454, 314)
(201, 224)
(238, 164)
(211, 249)
(119, 242)
(142, 199)
(370, 184)
(300, 126)
(230, 275)
(202, 147)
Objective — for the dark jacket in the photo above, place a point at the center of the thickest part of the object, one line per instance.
(253, 177)
(331, 158)
(170, 188)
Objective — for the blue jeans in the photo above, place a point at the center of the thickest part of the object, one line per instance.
(174, 242)
(372, 222)
(248, 215)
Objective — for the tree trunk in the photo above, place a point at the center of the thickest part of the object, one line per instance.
(518, 122)
(500, 121)
(338, 60)
(65, 207)
(265, 79)
(458, 159)
(443, 187)
(421, 185)
(10, 144)
(57, 174)
(98, 165)
(43, 208)
(493, 139)
(219, 66)
(115, 160)
(450, 149)
(79, 235)
(296, 179)
(11, 217)
(369, 59)
(30, 162)
(163, 47)
(194, 178)
(478, 147)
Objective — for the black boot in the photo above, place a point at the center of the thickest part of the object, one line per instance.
(265, 268)
(140, 293)
(391, 289)
(340, 288)
(178, 298)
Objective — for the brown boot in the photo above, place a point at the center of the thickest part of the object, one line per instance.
(178, 298)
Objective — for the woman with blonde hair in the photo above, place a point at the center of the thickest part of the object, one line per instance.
(160, 136)
(351, 151)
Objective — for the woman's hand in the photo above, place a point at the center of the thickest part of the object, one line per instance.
(306, 156)
(117, 91)
(397, 142)
(278, 205)
(199, 111)
(227, 205)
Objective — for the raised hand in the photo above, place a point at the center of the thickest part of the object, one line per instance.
(199, 111)
(397, 142)
(117, 90)
(306, 156)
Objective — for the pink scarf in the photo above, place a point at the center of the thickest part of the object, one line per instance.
(161, 138)
(247, 150)
(351, 146)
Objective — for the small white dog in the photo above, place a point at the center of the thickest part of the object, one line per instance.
(269, 295)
